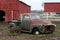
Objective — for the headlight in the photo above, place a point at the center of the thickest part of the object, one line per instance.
(55, 25)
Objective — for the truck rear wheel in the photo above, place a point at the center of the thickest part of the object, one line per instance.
(52, 29)
(49, 29)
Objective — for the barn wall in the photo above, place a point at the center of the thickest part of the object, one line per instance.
(8, 16)
(21, 8)
(16, 14)
(52, 7)
(8, 6)
(24, 8)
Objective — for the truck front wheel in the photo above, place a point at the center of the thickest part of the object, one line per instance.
(36, 31)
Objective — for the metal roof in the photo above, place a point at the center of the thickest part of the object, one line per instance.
(24, 3)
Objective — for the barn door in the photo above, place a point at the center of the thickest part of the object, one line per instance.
(2, 15)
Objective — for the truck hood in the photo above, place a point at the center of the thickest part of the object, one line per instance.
(44, 22)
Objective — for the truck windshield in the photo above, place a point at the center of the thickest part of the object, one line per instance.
(35, 17)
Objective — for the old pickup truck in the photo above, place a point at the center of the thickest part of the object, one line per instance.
(32, 24)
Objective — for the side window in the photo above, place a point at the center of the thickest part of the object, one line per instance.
(26, 17)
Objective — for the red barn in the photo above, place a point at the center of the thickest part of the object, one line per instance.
(25, 8)
(11, 9)
(52, 7)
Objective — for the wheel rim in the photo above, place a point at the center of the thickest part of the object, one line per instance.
(37, 32)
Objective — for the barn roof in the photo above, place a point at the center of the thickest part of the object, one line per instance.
(24, 3)
(52, 2)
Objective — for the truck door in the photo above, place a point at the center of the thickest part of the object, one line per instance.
(26, 22)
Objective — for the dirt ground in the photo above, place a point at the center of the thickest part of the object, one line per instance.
(6, 35)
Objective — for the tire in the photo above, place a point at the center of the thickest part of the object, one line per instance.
(52, 30)
(42, 30)
(15, 29)
(36, 32)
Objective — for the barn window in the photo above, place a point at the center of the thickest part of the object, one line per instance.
(58, 14)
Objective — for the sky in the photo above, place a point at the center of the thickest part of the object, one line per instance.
(38, 4)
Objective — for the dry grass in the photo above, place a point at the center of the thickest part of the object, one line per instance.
(6, 35)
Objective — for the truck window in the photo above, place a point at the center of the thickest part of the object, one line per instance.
(35, 17)
(26, 18)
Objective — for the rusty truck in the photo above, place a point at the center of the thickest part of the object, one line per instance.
(33, 24)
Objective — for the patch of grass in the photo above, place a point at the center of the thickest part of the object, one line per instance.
(54, 34)
(35, 36)
(57, 32)
(10, 33)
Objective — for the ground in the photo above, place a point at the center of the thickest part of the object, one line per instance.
(6, 35)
